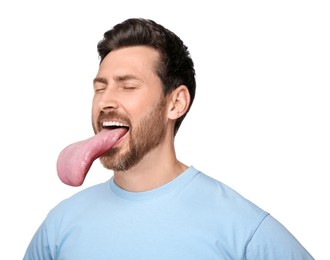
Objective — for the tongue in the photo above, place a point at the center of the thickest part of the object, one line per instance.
(75, 160)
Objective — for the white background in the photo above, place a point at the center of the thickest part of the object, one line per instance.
(260, 121)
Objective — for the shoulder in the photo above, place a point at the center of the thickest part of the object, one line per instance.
(80, 201)
(223, 196)
(223, 205)
(265, 237)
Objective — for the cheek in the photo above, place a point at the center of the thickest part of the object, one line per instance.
(95, 110)
(139, 108)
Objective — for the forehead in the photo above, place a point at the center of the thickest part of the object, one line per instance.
(140, 60)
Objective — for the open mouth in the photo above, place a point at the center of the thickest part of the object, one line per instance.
(114, 125)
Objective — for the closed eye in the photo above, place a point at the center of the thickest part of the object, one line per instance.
(130, 86)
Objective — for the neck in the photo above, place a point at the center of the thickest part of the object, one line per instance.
(153, 171)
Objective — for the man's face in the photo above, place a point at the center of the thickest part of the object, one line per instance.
(128, 92)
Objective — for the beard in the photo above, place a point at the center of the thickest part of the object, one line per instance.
(146, 136)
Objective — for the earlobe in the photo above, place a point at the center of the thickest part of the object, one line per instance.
(179, 103)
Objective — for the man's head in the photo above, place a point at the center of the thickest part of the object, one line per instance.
(146, 83)
(175, 66)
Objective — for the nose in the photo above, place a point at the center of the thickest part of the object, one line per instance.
(108, 101)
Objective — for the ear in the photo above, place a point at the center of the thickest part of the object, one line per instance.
(179, 102)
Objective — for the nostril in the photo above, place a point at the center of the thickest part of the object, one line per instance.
(108, 104)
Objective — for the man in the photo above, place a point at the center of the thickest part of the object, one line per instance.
(154, 206)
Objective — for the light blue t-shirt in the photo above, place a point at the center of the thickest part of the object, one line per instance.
(192, 217)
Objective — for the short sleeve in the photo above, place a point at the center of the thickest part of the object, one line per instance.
(272, 240)
(38, 248)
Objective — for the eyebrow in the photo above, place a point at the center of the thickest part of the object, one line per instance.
(100, 80)
(116, 78)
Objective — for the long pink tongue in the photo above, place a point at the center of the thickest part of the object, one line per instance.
(75, 160)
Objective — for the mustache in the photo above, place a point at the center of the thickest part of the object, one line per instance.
(112, 115)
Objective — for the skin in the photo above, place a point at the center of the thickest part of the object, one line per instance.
(127, 90)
